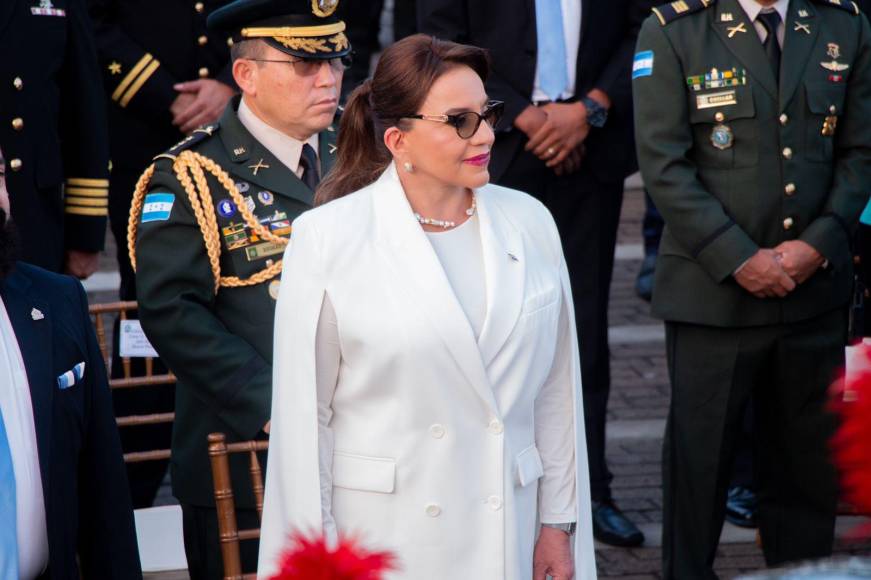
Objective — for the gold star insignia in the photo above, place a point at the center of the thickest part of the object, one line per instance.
(115, 67)
(258, 166)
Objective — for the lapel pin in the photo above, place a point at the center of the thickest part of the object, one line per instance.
(239, 151)
(803, 27)
(803, 13)
(37, 314)
(258, 166)
(733, 30)
(726, 17)
(333, 148)
(513, 257)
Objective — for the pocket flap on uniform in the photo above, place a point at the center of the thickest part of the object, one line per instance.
(363, 473)
(529, 467)
(821, 98)
(733, 102)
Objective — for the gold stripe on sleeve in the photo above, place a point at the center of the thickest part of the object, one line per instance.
(86, 182)
(131, 76)
(87, 192)
(90, 211)
(134, 88)
(87, 201)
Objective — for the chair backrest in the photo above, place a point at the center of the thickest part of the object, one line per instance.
(99, 313)
(230, 534)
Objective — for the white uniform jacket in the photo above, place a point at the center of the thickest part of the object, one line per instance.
(444, 449)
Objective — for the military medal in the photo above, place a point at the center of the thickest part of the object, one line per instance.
(829, 126)
(226, 208)
(266, 197)
(834, 51)
(722, 137)
(243, 186)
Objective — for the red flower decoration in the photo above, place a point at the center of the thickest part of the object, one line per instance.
(851, 444)
(312, 559)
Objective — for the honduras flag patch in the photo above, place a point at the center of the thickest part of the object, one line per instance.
(71, 377)
(157, 207)
(642, 66)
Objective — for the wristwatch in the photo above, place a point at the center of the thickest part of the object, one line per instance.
(567, 528)
(597, 115)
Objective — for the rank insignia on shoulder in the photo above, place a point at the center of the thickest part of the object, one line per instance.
(847, 5)
(198, 135)
(674, 10)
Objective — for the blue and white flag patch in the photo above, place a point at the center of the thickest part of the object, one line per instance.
(157, 207)
(71, 377)
(642, 66)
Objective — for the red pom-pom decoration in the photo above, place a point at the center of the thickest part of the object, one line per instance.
(312, 559)
(851, 444)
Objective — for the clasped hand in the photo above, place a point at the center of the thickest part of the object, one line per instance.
(776, 272)
(556, 134)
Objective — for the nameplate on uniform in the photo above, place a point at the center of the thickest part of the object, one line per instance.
(157, 207)
(132, 341)
(263, 250)
(712, 100)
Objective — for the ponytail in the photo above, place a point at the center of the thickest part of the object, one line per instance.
(361, 153)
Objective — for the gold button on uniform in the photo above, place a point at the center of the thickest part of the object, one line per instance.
(230, 41)
(719, 117)
(204, 72)
(202, 40)
(18, 83)
(789, 189)
(18, 123)
(787, 153)
(15, 164)
(784, 119)
(787, 223)
(199, 6)
(833, 109)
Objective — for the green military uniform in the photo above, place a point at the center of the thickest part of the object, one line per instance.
(737, 160)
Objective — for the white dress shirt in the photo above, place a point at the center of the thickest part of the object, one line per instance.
(17, 409)
(285, 148)
(571, 10)
(753, 8)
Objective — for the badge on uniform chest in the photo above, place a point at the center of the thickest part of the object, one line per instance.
(722, 137)
(716, 79)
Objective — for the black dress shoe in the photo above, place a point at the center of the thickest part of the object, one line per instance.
(742, 507)
(644, 281)
(611, 527)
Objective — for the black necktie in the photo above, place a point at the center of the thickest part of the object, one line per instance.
(771, 20)
(309, 163)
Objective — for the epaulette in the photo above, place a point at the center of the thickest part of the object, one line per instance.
(674, 10)
(198, 134)
(847, 5)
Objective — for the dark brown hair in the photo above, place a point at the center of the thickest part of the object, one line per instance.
(403, 78)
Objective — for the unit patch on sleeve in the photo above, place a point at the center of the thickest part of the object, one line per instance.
(157, 207)
(642, 66)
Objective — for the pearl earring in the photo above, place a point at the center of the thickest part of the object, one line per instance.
(408, 167)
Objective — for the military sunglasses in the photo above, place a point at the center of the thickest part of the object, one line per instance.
(467, 123)
(307, 67)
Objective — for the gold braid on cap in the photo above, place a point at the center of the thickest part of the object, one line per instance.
(189, 170)
(306, 38)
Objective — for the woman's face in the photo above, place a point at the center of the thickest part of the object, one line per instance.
(435, 149)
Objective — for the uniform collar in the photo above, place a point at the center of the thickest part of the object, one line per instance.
(753, 8)
(286, 149)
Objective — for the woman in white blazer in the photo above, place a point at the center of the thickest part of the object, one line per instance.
(426, 382)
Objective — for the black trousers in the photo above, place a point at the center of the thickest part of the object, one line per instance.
(786, 370)
(145, 478)
(587, 212)
(202, 546)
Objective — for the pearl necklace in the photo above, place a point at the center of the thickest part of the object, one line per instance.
(446, 224)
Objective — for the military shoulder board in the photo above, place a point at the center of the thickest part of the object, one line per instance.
(847, 5)
(199, 134)
(674, 10)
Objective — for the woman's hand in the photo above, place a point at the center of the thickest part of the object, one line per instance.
(553, 556)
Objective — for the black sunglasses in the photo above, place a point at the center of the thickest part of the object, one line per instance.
(307, 67)
(467, 123)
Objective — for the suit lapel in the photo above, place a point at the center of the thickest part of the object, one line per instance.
(419, 271)
(730, 19)
(35, 344)
(504, 267)
(799, 39)
(255, 163)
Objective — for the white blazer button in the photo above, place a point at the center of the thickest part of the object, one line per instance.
(495, 502)
(433, 510)
(437, 431)
(495, 427)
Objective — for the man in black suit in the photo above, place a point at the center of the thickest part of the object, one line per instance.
(567, 139)
(53, 132)
(65, 509)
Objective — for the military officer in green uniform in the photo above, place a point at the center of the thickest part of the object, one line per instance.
(209, 223)
(752, 129)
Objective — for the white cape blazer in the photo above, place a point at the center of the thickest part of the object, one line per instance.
(445, 449)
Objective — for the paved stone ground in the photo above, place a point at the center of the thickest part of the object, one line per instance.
(637, 409)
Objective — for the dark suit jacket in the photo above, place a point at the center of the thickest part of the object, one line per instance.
(52, 120)
(507, 29)
(87, 501)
